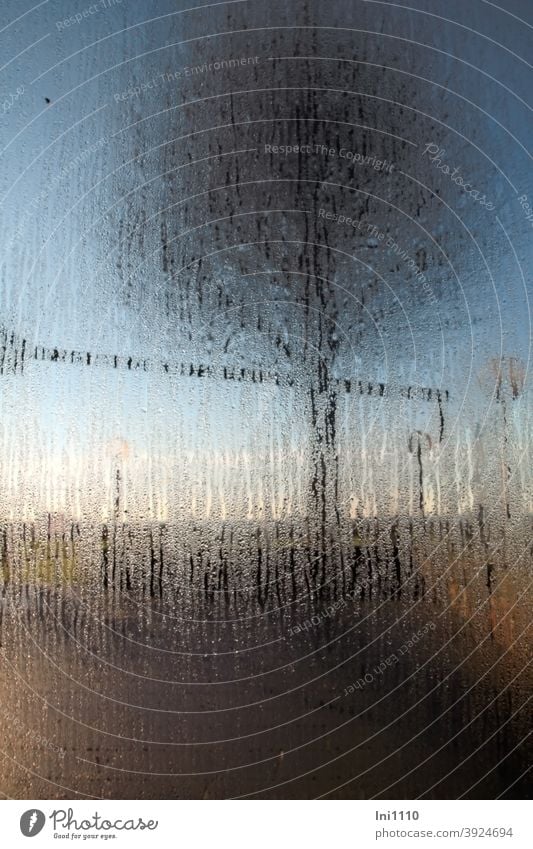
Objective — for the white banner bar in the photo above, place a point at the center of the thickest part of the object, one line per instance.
(268, 824)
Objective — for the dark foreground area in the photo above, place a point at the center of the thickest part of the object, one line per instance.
(131, 671)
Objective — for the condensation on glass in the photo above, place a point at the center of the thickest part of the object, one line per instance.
(265, 446)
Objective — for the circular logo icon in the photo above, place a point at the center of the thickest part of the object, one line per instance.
(32, 822)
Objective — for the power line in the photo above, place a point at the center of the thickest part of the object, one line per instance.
(16, 355)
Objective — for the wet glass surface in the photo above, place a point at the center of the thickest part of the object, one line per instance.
(265, 406)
